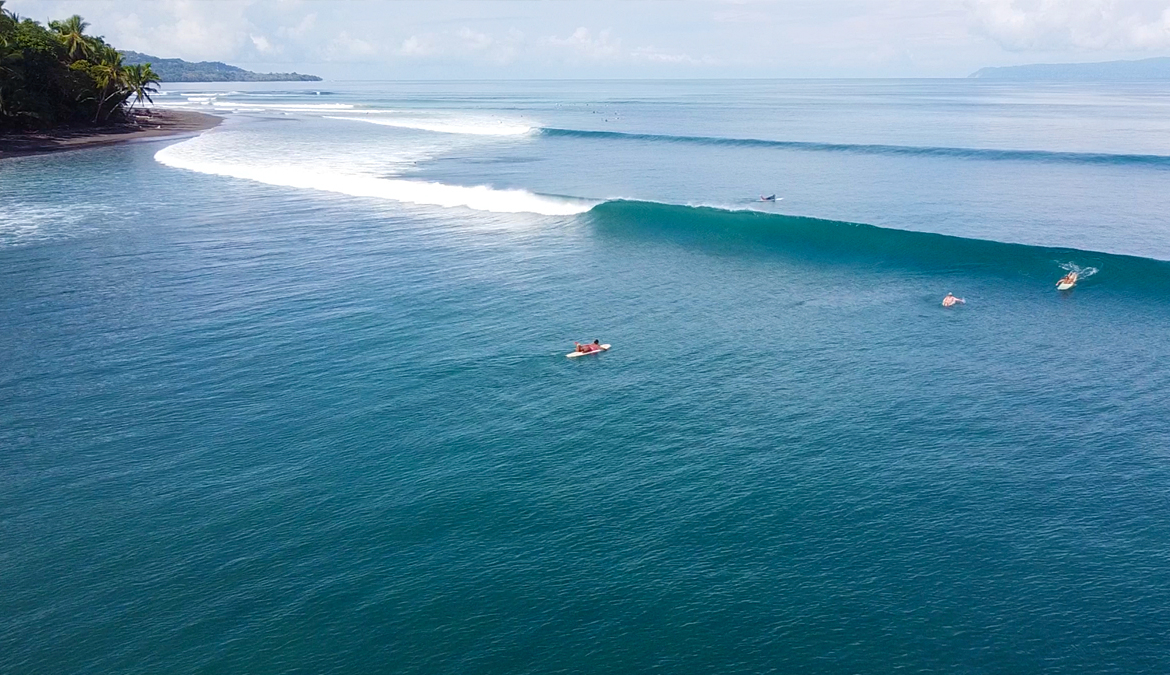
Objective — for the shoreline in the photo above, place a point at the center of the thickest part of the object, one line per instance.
(155, 124)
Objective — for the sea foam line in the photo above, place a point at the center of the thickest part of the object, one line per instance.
(461, 127)
(479, 197)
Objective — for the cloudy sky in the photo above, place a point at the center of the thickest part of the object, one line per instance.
(463, 39)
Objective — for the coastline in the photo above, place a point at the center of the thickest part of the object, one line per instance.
(158, 124)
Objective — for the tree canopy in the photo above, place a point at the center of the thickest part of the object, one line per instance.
(59, 76)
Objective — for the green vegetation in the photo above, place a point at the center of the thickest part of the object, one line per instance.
(59, 76)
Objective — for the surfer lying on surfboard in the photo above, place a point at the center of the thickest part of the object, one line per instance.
(595, 348)
(585, 349)
(951, 300)
(1067, 281)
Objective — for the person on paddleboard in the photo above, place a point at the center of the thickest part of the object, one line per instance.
(951, 300)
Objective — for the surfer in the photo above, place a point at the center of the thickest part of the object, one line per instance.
(1067, 281)
(585, 349)
(769, 198)
(951, 300)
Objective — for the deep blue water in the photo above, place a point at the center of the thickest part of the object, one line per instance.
(275, 399)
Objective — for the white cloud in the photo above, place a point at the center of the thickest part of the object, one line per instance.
(582, 44)
(349, 48)
(463, 44)
(418, 46)
(261, 43)
(1076, 25)
(657, 56)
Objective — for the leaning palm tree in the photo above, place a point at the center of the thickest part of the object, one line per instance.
(110, 75)
(140, 80)
(71, 32)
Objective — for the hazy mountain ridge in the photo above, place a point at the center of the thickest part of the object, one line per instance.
(1157, 68)
(178, 70)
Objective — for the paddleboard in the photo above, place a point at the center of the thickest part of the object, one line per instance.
(573, 355)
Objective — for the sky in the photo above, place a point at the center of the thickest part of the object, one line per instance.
(507, 39)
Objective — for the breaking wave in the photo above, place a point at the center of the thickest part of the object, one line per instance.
(479, 197)
(868, 245)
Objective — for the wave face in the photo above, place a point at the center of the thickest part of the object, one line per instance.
(863, 245)
(1153, 161)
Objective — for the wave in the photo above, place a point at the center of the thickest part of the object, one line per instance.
(1156, 161)
(474, 128)
(480, 197)
(868, 245)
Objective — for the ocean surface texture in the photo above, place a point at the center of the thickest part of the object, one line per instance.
(292, 396)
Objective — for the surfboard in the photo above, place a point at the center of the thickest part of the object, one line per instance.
(573, 355)
(1066, 282)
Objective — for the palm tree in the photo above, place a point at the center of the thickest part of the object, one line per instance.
(10, 54)
(140, 80)
(111, 77)
(71, 32)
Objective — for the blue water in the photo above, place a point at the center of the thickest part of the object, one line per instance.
(291, 396)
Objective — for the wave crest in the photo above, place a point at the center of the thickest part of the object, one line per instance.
(480, 197)
(1155, 161)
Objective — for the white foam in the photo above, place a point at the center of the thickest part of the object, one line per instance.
(188, 155)
(307, 107)
(22, 223)
(472, 127)
(1082, 272)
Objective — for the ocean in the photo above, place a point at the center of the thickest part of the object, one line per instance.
(291, 396)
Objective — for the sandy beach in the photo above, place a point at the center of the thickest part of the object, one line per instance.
(157, 123)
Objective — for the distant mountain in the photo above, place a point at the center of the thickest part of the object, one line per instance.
(1146, 69)
(178, 70)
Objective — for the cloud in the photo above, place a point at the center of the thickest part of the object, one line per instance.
(657, 56)
(261, 43)
(348, 48)
(582, 45)
(1075, 25)
(463, 44)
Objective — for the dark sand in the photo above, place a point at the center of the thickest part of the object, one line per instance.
(156, 123)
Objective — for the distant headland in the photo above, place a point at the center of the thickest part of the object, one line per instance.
(1108, 71)
(178, 70)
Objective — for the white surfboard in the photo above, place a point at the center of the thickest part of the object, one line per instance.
(1067, 282)
(573, 355)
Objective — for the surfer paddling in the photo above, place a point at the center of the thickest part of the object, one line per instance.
(1067, 281)
(951, 300)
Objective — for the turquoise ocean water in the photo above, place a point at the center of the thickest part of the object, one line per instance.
(291, 396)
